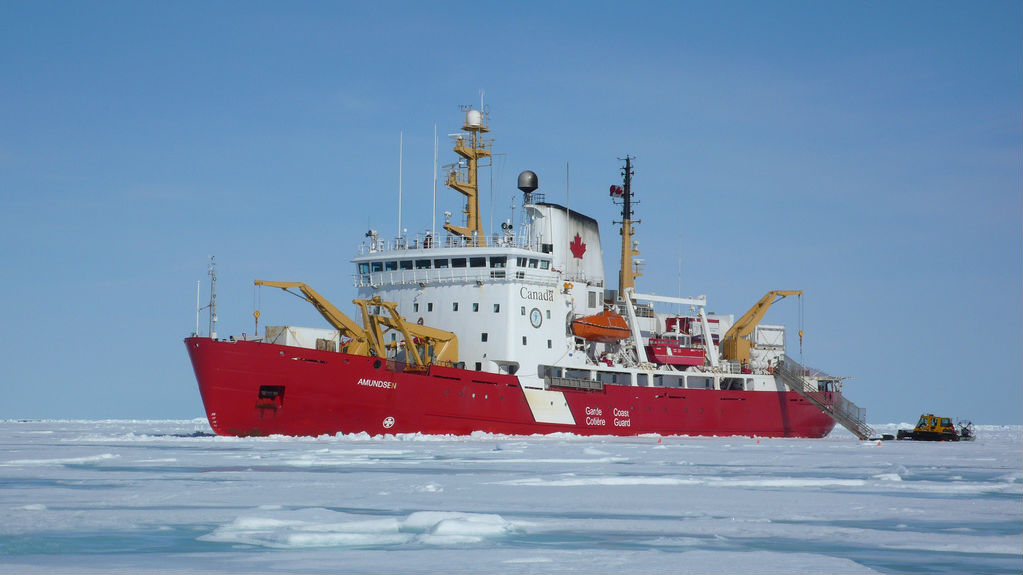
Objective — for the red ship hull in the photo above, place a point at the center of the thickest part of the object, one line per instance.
(253, 388)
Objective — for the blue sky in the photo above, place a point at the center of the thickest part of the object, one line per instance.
(868, 153)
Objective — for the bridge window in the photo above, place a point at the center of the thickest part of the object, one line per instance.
(545, 264)
(533, 262)
(405, 264)
(376, 266)
(458, 262)
(363, 268)
(390, 266)
(477, 262)
(521, 262)
(422, 264)
(498, 262)
(440, 264)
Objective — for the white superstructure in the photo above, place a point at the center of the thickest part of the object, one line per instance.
(509, 302)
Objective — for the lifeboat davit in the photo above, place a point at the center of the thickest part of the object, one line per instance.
(606, 326)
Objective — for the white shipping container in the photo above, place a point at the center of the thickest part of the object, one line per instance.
(300, 336)
(769, 336)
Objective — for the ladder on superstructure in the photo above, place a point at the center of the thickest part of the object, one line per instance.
(844, 412)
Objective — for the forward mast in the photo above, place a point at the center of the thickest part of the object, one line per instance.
(464, 178)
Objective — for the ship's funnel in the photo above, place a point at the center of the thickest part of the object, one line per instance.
(527, 182)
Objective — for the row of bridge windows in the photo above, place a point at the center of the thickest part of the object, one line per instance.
(497, 262)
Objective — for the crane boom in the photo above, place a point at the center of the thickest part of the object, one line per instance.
(335, 317)
(735, 345)
(368, 339)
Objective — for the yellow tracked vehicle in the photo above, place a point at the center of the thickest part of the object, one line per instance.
(934, 428)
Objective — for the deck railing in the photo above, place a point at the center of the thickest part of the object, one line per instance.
(425, 241)
(455, 275)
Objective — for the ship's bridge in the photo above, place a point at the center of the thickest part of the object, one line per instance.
(554, 241)
(414, 263)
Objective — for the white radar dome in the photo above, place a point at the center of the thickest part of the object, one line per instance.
(475, 118)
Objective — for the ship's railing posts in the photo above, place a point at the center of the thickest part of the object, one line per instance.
(426, 240)
(447, 275)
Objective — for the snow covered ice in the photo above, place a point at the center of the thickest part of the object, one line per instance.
(166, 496)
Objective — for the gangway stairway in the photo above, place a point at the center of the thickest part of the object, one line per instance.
(843, 411)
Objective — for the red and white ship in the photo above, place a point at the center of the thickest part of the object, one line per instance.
(515, 333)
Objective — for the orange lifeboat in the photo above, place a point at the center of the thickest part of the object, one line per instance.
(606, 326)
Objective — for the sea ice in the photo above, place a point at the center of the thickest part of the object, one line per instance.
(166, 496)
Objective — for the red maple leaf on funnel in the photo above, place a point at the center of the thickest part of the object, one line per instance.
(578, 247)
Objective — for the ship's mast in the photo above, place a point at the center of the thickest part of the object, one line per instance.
(475, 125)
(213, 298)
(197, 308)
(627, 274)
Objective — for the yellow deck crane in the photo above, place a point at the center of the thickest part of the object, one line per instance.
(736, 344)
(420, 342)
(369, 340)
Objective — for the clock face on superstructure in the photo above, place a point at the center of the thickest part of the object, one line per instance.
(535, 317)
